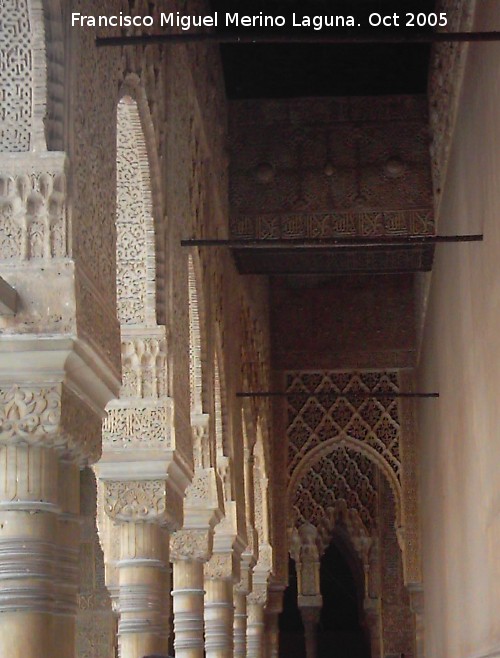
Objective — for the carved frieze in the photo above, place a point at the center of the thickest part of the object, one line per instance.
(341, 224)
(145, 427)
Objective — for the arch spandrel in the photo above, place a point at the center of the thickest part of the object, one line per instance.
(136, 260)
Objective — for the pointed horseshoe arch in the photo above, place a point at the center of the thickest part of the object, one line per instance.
(314, 455)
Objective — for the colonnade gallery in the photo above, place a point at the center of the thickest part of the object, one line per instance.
(249, 339)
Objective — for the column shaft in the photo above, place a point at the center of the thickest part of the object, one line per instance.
(188, 608)
(255, 630)
(271, 634)
(219, 618)
(240, 624)
(141, 575)
(38, 552)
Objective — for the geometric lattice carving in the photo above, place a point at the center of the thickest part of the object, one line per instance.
(16, 76)
(343, 477)
(314, 419)
(135, 226)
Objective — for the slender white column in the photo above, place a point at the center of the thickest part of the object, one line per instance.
(310, 618)
(219, 618)
(271, 639)
(187, 596)
(240, 624)
(67, 581)
(255, 629)
(28, 555)
(142, 570)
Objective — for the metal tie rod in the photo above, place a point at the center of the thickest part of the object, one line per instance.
(212, 37)
(332, 243)
(353, 395)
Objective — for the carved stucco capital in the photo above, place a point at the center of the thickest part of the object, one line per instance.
(247, 563)
(221, 566)
(191, 544)
(138, 500)
(51, 416)
(258, 595)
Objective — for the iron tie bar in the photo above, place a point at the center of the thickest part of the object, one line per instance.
(211, 37)
(348, 394)
(332, 243)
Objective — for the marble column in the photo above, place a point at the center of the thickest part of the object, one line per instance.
(417, 607)
(310, 618)
(255, 624)
(142, 569)
(240, 623)
(372, 608)
(219, 617)
(41, 450)
(189, 550)
(241, 590)
(273, 609)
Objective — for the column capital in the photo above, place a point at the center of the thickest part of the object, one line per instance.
(228, 547)
(247, 562)
(51, 416)
(258, 595)
(417, 599)
(219, 566)
(139, 500)
(191, 544)
(275, 598)
(309, 602)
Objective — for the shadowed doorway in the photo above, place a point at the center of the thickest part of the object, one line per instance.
(341, 631)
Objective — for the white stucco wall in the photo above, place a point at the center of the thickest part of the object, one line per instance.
(460, 432)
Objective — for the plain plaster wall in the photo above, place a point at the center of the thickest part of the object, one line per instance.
(460, 432)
